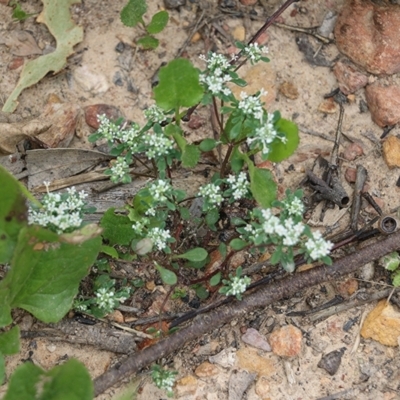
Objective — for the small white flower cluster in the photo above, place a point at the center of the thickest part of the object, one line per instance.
(155, 114)
(130, 137)
(109, 130)
(105, 299)
(264, 136)
(212, 194)
(317, 246)
(139, 226)
(289, 231)
(254, 52)
(239, 185)
(60, 212)
(252, 105)
(119, 169)
(294, 207)
(238, 285)
(158, 145)
(217, 75)
(159, 188)
(159, 237)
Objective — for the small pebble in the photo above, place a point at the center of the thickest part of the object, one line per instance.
(117, 79)
(391, 151)
(331, 362)
(120, 47)
(91, 113)
(352, 152)
(328, 106)
(289, 90)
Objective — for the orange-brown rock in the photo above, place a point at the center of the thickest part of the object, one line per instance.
(384, 103)
(350, 79)
(369, 34)
(286, 341)
(382, 324)
(391, 151)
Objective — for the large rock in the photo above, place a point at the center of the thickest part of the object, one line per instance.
(369, 34)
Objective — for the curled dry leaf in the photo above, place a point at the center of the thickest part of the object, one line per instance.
(56, 127)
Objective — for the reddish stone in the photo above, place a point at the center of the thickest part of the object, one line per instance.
(16, 62)
(383, 103)
(350, 175)
(91, 113)
(352, 151)
(349, 77)
(195, 122)
(286, 341)
(369, 34)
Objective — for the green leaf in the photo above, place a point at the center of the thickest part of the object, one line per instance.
(184, 213)
(190, 156)
(237, 244)
(196, 254)
(262, 186)
(13, 214)
(18, 12)
(396, 280)
(201, 292)
(179, 85)
(46, 271)
(158, 22)
(70, 381)
(9, 341)
(148, 42)
(216, 279)
(279, 150)
(167, 276)
(212, 217)
(208, 144)
(117, 229)
(133, 12)
(110, 251)
(176, 132)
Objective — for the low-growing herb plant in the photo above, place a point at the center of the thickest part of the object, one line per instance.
(132, 15)
(163, 379)
(391, 262)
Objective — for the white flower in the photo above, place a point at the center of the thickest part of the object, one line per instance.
(251, 105)
(239, 185)
(264, 136)
(292, 232)
(109, 130)
(238, 285)
(254, 52)
(158, 145)
(212, 193)
(139, 226)
(295, 207)
(317, 246)
(158, 189)
(105, 299)
(159, 237)
(119, 169)
(155, 114)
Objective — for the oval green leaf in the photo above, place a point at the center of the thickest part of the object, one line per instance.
(158, 22)
(262, 186)
(167, 276)
(196, 254)
(279, 150)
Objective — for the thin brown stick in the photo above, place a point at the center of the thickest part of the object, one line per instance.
(260, 298)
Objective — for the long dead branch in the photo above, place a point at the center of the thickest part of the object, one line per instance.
(205, 323)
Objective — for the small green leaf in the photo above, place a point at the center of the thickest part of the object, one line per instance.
(201, 292)
(212, 217)
(280, 150)
(237, 244)
(190, 156)
(9, 341)
(396, 280)
(133, 12)
(67, 381)
(179, 85)
(215, 280)
(208, 144)
(18, 12)
(158, 22)
(262, 186)
(177, 133)
(167, 276)
(197, 254)
(110, 251)
(148, 42)
(184, 213)
(117, 229)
